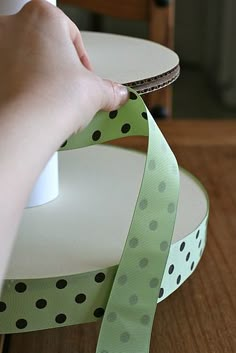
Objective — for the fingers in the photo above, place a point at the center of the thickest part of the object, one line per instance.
(46, 11)
(74, 33)
(114, 95)
(110, 95)
(77, 40)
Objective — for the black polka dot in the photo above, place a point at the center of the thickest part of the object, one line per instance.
(3, 307)
(125, 337)
(111, 317)
(182, 246)
(122, 280)
(187, 256)
(153, 225)
(154, 282)
(100, 277)
(144, 115)
(133, 243)
(113, 114)
(125, 128)
(178, 279)
(171, 269)
(161, 292)
(143, 262)
(96, 135)
(171, 208)
(197, 235)
(99, 312)
(164, 245)
(60, 318)
(80, 298)
(145, 320)
(64, 144)
(132, 96)
(143, 204)
(21, 324)
(162, 186)
(192, 265)
(152, 164)
(200, 242)
(61, 284)
(41, 303)
(133, 299)
(20, 287)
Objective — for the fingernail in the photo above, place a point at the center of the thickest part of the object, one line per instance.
(123, 93)
(86, 62)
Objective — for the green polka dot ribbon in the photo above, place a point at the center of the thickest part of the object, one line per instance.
(131, 291)
(127, 323)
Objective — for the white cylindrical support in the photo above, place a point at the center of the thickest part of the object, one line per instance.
(9, 7)
(47, 187)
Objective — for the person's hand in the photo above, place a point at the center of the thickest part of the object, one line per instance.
(47, 92)
(44, 63)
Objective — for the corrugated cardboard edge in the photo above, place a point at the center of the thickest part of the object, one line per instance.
(155, 83)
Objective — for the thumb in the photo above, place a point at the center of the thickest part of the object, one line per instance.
(114, 95)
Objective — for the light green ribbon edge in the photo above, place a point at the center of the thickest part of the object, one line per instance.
(127, 323)
(132, 303)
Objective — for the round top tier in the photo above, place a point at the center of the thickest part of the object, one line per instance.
(144, 65)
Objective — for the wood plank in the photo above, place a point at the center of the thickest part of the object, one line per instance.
(200, 132)
(200, 315)
(189, 133)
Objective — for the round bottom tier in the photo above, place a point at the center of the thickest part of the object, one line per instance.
(66, 255)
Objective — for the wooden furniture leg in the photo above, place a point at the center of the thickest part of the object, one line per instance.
(161, 30)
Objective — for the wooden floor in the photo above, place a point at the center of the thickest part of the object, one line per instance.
(200, 317)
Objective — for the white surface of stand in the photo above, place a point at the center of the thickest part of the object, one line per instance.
(85, 228)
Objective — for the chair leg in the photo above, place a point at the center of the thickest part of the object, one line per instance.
(96, 22)
(160, 103)
(161, 30)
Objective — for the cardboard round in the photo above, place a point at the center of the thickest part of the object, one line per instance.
(141, 64)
